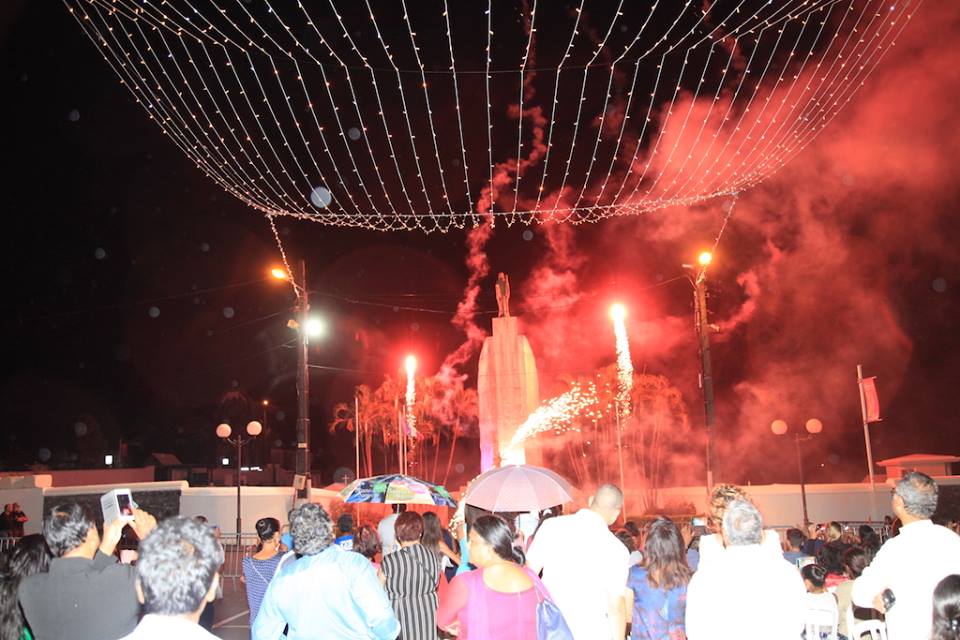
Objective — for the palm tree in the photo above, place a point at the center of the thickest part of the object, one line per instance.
(659, 422)
(465, 405)
(442, 407)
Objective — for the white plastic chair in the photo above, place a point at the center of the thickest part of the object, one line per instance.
(876, 629)
(850, 621)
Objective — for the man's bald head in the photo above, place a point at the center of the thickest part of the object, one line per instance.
(607, 501)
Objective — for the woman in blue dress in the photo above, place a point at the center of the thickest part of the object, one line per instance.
(259, 568)
(659, 585)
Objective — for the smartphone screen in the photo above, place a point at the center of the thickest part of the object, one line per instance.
(124, 504)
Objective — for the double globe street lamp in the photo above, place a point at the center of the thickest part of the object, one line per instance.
(813, 426)
(224, 431)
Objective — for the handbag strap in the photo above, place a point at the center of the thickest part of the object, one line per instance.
(425, 570)
(253, 565)
(538, 587)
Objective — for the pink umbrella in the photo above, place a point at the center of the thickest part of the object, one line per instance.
(518, 487)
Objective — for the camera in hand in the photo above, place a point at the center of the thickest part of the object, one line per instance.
(888, 599)
(117, 504)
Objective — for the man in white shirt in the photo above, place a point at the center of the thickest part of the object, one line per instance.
(745, 592)
(177, 575)
(386, 532)
(585, 567)
(912, 563)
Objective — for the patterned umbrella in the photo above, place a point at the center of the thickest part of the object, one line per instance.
(395, 488)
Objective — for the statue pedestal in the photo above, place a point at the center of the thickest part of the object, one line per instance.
(508, 391)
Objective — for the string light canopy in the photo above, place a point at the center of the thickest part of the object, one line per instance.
(431, 115)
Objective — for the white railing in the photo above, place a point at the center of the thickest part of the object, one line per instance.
(7, 543)
(234, 551)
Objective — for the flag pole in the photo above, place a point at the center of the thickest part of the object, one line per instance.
(356, 430)
(866, 440)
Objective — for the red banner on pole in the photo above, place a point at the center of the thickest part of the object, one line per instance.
(871, 402)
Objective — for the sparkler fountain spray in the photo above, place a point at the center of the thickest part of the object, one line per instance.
(410, 364)
(618, 313)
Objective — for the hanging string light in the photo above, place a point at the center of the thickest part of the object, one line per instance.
(322, 114)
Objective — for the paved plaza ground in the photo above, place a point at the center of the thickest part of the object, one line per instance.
(231, 619)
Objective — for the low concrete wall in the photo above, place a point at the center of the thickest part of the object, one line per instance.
(86, 477)
(781, 504)
(162, 499)
(218, 504)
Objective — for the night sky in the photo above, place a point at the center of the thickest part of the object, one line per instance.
(137, 298)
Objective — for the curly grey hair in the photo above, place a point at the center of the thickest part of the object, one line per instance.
(311, 528)
(919, 493)
(742, 523)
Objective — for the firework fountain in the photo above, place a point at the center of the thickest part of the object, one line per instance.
(410, 418)
(618, 313)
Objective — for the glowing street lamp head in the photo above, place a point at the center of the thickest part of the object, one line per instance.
(316, 327)
(779, 427)
(410, 363)
(279, 274)
(705, 258)
(618, 312)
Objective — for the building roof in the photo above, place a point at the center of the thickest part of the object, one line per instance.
(918, 458)
(164, 459)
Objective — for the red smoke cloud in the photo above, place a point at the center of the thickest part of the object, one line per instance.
(505, 174)
(821, 254)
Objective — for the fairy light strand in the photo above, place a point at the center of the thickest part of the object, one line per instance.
(264, 101)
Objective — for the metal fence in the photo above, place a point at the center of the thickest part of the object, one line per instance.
(7, 543)
(235, 549)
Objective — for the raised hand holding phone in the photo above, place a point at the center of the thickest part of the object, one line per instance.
(143, 523)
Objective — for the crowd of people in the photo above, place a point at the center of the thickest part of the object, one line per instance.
(576, 576)
(12, 520)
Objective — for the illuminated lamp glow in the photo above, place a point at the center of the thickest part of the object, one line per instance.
(316, 327)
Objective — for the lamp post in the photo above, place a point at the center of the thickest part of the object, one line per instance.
(307, 327)
(223, 431)
(813, 426)
(706, 367)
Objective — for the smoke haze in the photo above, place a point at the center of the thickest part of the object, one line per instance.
(814, 275)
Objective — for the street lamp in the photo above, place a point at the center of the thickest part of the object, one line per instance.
(813, 426)
(306, 327)
(223, 431)
(706, 368)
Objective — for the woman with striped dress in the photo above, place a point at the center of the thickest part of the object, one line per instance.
(258, 569)
(411, 576)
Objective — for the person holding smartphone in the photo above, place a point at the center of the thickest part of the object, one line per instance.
(68, 601)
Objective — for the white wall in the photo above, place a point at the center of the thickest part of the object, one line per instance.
(219, 504)
(781, 504)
